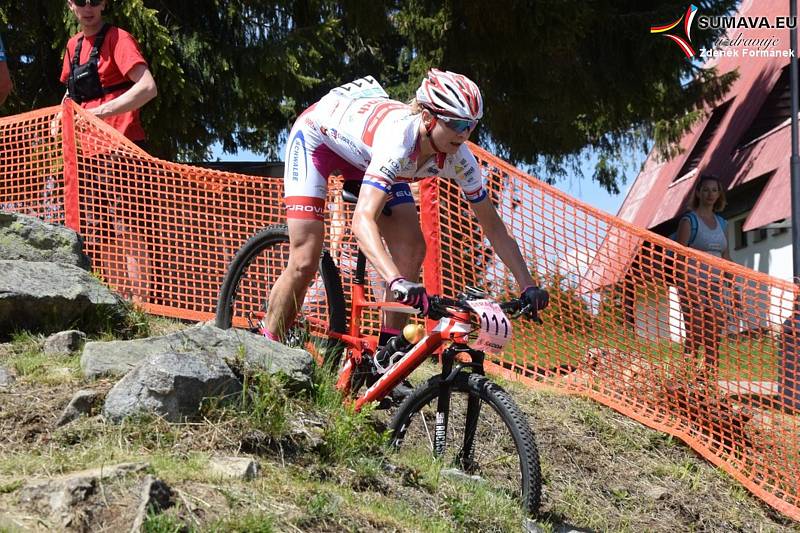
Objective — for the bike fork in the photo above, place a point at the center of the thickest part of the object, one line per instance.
(442, 409)
(465, 456)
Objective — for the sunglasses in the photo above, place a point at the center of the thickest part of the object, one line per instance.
(458, 125)
(82, 3)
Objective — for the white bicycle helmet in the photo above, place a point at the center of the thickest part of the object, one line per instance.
(450, 94)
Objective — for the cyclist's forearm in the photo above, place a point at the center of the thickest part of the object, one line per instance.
(508, 251)
(369, 241)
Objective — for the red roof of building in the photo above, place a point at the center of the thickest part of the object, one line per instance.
(659, 194)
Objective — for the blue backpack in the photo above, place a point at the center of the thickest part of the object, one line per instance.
(692, 216)
(669, 255)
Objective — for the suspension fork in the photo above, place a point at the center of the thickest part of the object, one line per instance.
(443, 405)
(465, 456)
(449, 372)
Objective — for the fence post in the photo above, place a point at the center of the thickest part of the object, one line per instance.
(431, 229)
(72, 213)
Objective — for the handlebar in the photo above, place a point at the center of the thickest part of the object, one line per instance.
(438, 307)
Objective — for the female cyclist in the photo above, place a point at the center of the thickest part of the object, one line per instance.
(357, 131)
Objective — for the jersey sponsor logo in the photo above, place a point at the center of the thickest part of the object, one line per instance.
(297, 157)
(341, 138)
(389, 173)
(402, 193)
(305, 207)
(394, 164)
(329, 132)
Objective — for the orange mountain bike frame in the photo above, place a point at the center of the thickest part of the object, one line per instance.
(454, 327)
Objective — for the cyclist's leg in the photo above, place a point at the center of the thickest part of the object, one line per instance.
(305, 246)
(305, 188)
(405, 242)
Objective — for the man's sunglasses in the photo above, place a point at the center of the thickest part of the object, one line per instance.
(82, 3)
(458, 125)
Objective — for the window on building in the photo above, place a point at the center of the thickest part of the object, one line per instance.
(776, 110)
(759, 234)
(700, 147)
(780, 231)
(740, 236)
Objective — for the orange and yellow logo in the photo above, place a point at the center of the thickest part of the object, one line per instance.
(684, 44)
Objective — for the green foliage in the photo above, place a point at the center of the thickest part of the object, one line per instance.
(264, 401)
(164, 523)
(350, 436)
(556, 76)
(249, 523)
(7, 488)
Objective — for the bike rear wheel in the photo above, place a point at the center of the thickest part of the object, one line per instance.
(251, 275)
(501, 449)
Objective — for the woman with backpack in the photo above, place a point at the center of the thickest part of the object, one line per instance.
(701, 296)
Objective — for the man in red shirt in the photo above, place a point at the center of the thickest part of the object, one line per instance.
(106, 74)
(125, 82)
(5, 79)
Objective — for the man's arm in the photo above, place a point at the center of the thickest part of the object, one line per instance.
(143, 90)
(504, 244)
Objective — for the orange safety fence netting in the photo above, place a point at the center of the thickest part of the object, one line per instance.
(681, 341)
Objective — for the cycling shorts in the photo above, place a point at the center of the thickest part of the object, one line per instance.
(309, 163)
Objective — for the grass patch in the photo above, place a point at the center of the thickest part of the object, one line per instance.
(8, 488)
(249, 523)
(164, 523)
(28, 361)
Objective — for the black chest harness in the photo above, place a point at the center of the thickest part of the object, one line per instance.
(84, 83)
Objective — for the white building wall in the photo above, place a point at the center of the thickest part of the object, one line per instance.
(771, 256)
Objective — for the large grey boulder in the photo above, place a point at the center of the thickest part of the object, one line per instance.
(172, 385)
(51, 297)
(27, 238)
(240, 348)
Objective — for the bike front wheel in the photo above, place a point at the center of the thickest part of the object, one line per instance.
(487, 437)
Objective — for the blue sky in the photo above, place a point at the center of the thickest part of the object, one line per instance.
(585, 190)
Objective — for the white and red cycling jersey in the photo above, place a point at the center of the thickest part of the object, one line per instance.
(357, 131)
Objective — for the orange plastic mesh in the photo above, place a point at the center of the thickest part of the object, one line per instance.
(678, 340)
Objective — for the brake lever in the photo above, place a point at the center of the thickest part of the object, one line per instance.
(530, 312)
